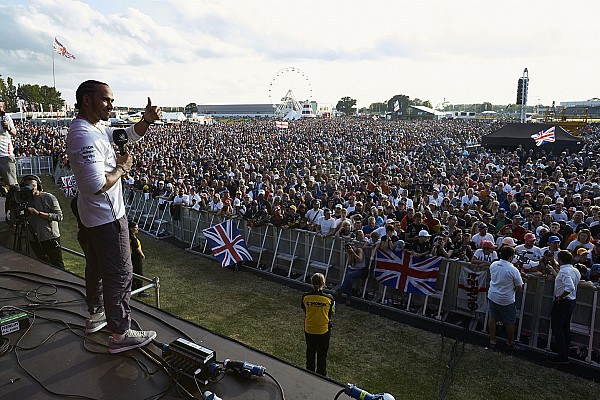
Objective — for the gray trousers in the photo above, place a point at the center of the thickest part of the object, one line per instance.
(108, 273)
(8, 170)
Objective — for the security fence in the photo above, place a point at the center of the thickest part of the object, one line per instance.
(37, 165)
(294, 254)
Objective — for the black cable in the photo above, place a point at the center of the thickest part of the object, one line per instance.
(337, 396)
(453, 362)
(4, 346)
(278, 384)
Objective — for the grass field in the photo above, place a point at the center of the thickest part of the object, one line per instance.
(370, 351)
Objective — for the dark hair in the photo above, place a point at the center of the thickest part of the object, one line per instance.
(506, 252)
(86, 88)
(565, 256)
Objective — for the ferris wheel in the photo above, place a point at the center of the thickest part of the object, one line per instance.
(287, 85)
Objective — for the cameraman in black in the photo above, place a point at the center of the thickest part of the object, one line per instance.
(44, 214)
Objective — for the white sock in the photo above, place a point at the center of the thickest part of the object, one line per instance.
(118, 337)
(97, 316)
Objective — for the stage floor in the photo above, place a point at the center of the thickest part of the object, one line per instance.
(62, 362)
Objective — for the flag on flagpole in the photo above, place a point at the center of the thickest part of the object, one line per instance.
(227, 244)
(21, 104)
(62, 50)
(400, 270)
(281, 124)
(396, 106)
(472, 290)
(544, 136)
(69, 185)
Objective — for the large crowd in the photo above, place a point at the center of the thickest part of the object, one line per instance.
(426, 186)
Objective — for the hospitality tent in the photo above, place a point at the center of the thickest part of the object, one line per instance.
(514, 135)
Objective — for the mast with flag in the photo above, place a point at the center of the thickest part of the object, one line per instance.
(62, 50)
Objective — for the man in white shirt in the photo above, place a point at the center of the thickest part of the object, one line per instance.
(8, 166)
(326, 224)
(469, 198)
(565, 293)
(529, 251)
(101, 210)
(505, 281)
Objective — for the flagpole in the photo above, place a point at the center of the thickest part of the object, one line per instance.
(53, 78)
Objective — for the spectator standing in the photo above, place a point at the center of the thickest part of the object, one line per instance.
(8, 166)
(319, 308)
(565, 293)
(137, 256)
(505, 281)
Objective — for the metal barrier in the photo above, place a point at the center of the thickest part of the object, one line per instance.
(37, 165)
(294, 253)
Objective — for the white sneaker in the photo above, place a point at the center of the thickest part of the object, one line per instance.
(132, 340)
(94, 325)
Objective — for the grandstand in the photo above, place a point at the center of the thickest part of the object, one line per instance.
(237, 110)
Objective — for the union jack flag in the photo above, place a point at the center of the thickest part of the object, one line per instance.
(544, 136)
(400, 270)
(69, 185)
(226, 243)
(62, 50)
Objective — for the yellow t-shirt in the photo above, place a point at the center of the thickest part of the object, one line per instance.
(319, 307)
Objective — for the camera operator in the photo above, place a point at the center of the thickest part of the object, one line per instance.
(8, 170)
(355, 268)
(44, 215)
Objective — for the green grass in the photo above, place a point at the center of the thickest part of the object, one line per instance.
(373, 352)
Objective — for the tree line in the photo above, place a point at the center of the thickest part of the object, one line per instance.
(29, 95)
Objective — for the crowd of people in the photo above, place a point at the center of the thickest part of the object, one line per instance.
(426, 186)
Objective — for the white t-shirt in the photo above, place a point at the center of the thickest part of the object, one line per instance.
(480, 255)
(92, 156)
(327, 225)
(477, 238)
(504, 277)
(533, 254)
(6, 146)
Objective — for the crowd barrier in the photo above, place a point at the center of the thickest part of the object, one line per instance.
(295, 254)
(37, 165)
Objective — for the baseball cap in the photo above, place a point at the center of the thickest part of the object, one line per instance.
(482, 225)
(508, 241)
(486, 244)
(582, 251)
(261, 191)
(553, 239)
(424, 233)
(338, 206)
(529, 236)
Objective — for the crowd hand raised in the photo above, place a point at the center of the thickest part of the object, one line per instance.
(152, 113)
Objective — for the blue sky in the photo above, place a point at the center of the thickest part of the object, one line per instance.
(181, 51)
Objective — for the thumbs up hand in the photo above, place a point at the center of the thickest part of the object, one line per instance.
(152, 113)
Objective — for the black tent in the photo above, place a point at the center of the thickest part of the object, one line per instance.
(513, 135)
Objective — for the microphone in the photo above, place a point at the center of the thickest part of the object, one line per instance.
(120, 139)
(359, 394)
(244, 368)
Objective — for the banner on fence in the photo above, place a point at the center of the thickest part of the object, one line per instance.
(472, 290)
(227, 244)
(400, 270)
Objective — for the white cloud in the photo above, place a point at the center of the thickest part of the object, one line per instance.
(228, 51)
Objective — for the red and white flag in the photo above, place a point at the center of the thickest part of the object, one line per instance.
(472, 290)
(62, 50)
(281, 124)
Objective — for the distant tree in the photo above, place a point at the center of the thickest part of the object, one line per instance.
(427, 103)
(346, 105)
(403, 103)
(44, 95)
(486, 106)
(191, 108)
(378, 107)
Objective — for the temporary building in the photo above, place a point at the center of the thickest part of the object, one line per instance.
(514, 135)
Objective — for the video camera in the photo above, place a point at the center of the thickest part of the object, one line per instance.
(19, 198)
